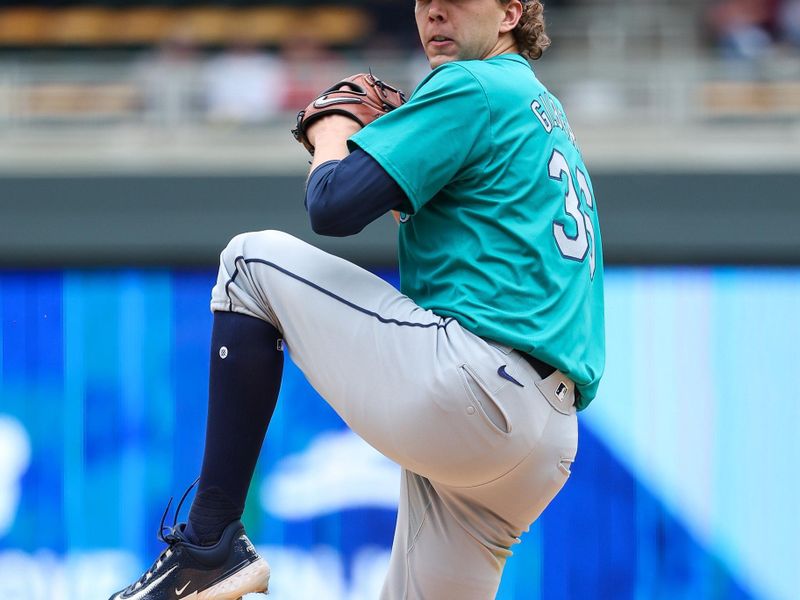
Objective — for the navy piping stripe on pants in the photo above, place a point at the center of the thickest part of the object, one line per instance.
(360, 309)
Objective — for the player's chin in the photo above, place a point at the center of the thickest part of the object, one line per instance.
(438, 60)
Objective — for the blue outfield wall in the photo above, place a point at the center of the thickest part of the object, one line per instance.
(680, 490)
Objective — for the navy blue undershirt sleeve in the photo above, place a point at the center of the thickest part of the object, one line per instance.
(344, 196)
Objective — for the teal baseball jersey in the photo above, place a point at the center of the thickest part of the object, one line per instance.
(502, 231)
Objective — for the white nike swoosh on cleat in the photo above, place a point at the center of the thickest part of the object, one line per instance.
(146, 589)
(178, 592)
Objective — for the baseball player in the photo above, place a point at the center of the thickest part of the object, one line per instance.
(470, 378)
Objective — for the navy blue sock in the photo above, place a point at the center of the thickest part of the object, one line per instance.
(244, 380)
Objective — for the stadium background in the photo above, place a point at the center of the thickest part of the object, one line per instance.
(137, 137)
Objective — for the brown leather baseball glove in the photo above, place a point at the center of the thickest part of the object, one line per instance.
(361, 97)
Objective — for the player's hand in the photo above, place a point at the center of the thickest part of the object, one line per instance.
(329, 137)
(331, 128)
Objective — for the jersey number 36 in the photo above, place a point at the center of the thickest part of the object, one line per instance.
(574, 247)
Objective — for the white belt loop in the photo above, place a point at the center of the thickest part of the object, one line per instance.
(559, 390)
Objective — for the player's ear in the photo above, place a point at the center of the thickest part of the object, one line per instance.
(513, 12)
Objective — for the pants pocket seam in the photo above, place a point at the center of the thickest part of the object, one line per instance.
(466, 371)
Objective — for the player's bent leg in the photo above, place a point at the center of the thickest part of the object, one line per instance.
(467, 415)
(391, 369)
(345, 328)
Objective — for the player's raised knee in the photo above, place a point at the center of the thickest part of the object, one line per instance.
(264, 245)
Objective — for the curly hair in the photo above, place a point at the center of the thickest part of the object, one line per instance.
(529, 32)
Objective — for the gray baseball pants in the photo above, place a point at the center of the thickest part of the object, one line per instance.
(482, 454)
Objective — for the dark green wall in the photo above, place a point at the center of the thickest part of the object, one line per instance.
(186, 220)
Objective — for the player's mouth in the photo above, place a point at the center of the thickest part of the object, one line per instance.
(440, 41)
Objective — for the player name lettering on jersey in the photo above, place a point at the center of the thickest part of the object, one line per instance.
(551, 115)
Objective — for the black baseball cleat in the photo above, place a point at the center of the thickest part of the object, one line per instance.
(185, 571)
